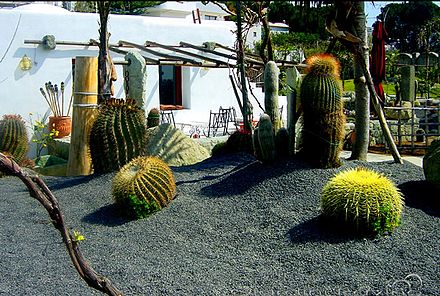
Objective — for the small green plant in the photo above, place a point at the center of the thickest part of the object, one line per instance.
(139, 208)
(42, 137)
(78, 236)
(362, 200)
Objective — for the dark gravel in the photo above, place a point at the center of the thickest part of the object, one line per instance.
(236, 227)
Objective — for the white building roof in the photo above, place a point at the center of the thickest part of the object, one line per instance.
(41, 8)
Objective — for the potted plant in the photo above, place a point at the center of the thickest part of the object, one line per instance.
(60, 122)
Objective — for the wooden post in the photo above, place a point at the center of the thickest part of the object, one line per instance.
(85, 109)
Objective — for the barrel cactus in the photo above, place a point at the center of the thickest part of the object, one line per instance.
(362, 200)
(153, 118)
(271, 85)
(14, 137)
(264, 140)
(240, 141)
(143, 186)
(117, 135)
(323, 115)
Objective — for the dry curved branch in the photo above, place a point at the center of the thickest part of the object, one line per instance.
(39, 190)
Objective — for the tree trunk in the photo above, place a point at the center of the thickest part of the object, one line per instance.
(362, 119)
(240, 61)
(266, 43)
(104, 67)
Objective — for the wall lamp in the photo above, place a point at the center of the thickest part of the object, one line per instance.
(25, 63)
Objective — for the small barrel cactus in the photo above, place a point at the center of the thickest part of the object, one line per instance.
(153, 118)
(117, 135)
(264, 140)
(271, 85)
(143, 186)
(240, 141)
(362, 200)
(14, 137)
(323, 115)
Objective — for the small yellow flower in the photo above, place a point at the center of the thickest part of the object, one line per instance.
(77, 236)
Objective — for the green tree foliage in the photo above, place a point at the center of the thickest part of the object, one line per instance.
(405, 21)
(118, 7)
(302, 16)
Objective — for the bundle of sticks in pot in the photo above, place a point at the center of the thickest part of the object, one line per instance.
(60, 122)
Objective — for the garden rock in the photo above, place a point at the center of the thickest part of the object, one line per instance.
(404, 114)
(431, 164)
(174, 147)
(50, 165)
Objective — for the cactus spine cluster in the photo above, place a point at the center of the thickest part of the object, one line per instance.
(363, 200)
(271, 73)
(264, 140)
(153, 118)
(117, 135)
(143, 186)
(323, 111)
(13, 137)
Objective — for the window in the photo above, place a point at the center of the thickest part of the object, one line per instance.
(170, 85)
(210, 17)
(255, 34)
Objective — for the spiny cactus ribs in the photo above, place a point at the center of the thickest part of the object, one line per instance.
(13, 137)
(363, 200)
(271, 84)
(323, 64)
(117, 135)
(264, 140)
(143, 186)
(322, 104)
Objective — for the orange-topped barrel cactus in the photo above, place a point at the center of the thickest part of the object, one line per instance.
(321, 100)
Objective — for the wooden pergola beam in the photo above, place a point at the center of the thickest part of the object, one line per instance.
(215, 63)
(168, 56)
(171, 48)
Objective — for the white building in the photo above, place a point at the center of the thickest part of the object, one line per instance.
(201, 89)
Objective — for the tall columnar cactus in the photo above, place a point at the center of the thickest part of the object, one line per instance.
(322, 105)
(13, 137)
(143, 186)
(363, 201)
(117, 135)
(153, 118)
(271, 73)
(264, 140)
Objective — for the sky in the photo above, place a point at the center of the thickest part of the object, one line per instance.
(373, 10)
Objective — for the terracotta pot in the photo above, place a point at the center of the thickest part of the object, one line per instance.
(62, 124)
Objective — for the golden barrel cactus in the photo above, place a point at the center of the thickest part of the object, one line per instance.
(362, 200)
(143, 186)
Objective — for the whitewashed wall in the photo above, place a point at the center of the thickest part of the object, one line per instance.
(19, 90)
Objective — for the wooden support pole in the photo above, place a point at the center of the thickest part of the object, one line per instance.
(381, 116)
(85, 110)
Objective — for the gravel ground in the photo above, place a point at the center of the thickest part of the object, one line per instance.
(236, 227)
